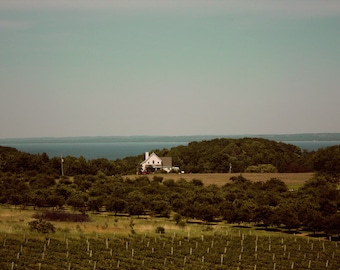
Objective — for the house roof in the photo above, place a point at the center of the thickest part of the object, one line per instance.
(167, 161)
(152, 155)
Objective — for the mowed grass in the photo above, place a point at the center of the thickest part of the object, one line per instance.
(292, 180)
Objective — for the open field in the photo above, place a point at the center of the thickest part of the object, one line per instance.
(292, 180)
(15, 220)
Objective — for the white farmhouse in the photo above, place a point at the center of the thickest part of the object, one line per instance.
(157, 163)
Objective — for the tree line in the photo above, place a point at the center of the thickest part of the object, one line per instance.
(314, 206)
(34, 180)
(213, 156)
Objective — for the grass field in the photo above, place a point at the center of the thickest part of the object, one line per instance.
(15, 220)
(292, 180)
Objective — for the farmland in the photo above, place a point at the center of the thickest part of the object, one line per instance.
(166, 221)
(292, 180)
(107, 242)
(225, 248)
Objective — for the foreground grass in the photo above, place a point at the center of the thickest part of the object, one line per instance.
(15, 221)
(292, 180)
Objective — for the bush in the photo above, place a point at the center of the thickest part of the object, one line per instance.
(157, 179)
(177, 218)
(182, 224)
(160, 230)
(41, 226)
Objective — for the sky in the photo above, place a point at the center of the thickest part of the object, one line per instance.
(168, 67)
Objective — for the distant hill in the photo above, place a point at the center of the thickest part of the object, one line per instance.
(219, 154)
(303, 137)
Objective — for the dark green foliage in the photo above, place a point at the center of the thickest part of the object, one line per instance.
(217, 155)
(241, 201)
(275, 185)
(136, 209)
(314, 206)
(41, 226)
(160, 207)
(327, 161)
(205, 156)
(95, 203)
(177, 218)
(115, 205)
(197, 182)
(157, 179)
(332, 224)
(78, 200)
(160, 230)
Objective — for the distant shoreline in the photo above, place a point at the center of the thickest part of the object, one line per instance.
(116, 147)
(134, 138)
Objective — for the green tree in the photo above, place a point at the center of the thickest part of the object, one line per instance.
(136, 208)
(116, 205)
(275, 185)
(204, 212)
(95, 203)
(177, 218)
(78, 200)
(264, 214)
(311, 218)
(287, 215)
(332, 224)
(326, 160)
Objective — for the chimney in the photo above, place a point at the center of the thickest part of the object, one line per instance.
(146, 155)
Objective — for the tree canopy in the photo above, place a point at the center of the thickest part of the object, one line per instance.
(217, 155)
(92, 185)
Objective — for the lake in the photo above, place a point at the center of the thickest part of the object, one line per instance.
(123, 146)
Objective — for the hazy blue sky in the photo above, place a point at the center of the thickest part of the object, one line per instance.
(161, 67)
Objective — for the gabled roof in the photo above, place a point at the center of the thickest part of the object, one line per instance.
(152, 155)
(167, 161)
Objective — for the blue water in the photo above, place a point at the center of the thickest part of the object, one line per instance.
(119, 147)
(93, 150)
(313, 145)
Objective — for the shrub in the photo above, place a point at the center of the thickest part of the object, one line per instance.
(41, 226)
(160, 230)
(182, 224)
(157, 179)
(177, 218)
